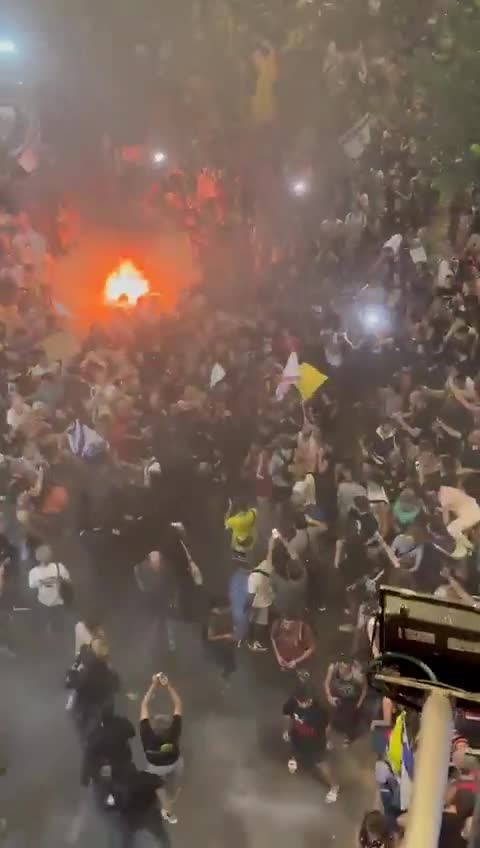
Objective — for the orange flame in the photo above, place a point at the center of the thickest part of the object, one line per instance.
(126, 283)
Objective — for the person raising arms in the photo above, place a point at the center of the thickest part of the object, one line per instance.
(160, 737)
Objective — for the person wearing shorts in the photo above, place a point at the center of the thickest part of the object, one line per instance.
(259, 600)
(160, 737)
(307, 735)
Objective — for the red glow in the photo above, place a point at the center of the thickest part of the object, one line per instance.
(126, 283)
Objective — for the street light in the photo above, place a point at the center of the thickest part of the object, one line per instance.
(159, 157)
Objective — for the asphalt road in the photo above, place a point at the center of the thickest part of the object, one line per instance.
(238, 791)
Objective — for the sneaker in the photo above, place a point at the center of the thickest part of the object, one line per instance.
(286, 736)
(332, 795)
(292, 765)
(346, 628)
(256, 646)
(330, 745)
(170, 817)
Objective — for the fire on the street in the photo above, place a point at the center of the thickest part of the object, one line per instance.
(126, 284)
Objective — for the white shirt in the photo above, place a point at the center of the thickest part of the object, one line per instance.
(16, 419)
(45, 579)
(261, 586)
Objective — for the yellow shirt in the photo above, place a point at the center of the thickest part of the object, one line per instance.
(242, 526)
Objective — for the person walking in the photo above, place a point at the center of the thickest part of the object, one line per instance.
(346, 690)
(260, 598)
(51, 580)
(307, 734)
(159, 591)
(95, 685)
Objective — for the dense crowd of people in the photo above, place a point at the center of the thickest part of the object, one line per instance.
(195, 420)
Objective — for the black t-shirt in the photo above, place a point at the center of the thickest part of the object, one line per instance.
(161, 749)
(455, 416)
(381, 448)
(96, 683)
(158, 587)
(422, 419)
(136, 792)
(359, 529)
(451, 831)
(471, 459)
(108, 745)
(309, 724)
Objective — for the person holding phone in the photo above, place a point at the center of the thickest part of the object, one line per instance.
(160, 735)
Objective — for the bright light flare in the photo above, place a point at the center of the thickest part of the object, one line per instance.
(375, 318)
(125, 285)
(300, 188)
(8, 47)
(159, 157)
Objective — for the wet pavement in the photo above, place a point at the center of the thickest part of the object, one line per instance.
(237, 792)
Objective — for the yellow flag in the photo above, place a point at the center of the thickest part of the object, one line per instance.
(394, 748)
(310, 380)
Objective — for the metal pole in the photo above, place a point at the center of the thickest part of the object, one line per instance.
(431, 773)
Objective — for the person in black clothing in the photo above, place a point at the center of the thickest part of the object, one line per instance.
(453, 822)
(95, 684)
(220, 637)
(130, 802)
(157, 583)
(470, 461)
(161, 743)
(375, 831)
(306, 732)
(358, 535)
(382, 443)
(7, 592)
(128, 798)
(107, 746)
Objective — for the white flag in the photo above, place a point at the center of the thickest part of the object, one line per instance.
(217, 374)
(394, 243)
(290, 376)
(418, 254)
(357, 138)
